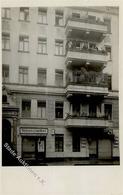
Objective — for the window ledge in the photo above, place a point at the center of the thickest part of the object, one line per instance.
(63, 55)
(23, 51)
(42, 23)
(6, 49)
(62, 26)
(42, 53)
(6, 18)
(24, 20)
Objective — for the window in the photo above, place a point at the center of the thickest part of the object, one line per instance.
(109, 82)
(107, 22)
(23, 75)
(75, 15)
(24, 13)
(58, 47)
(59, 21)
(42, 15)
(59, 77)
(59, 109)
(5, 73)
(6, 13)
(6, 41)
(108, 111)
(24, 43)
(41, 111)
(59, 143)
(76, 143)
(42, 76)
(92, 110)
(26, 108)
(42, 45)
(108, 50)
(4, 99)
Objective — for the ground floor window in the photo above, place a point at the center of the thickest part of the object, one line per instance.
(59, 143)
(76, 143)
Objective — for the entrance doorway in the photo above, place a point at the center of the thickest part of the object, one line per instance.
(6, 138)
(6, 131)
(93, 148)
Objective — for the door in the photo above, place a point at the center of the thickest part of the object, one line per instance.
(41, 148)
(105, 149)
(93, 149)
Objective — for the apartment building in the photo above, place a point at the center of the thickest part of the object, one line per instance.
(60, 83)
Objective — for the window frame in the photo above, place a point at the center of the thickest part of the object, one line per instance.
(42, 14)
(59, 15)
(59, 144)
(23, 73)
(42, 70)
(6, 41)
(42, 45)
(59, 47)
(4, 78)
(22, 10)
(59, 78)
(43, 106)
(23, 43)
(59, 107)
(5, 14)
(22, 112)
(75, 143)
(107, 114)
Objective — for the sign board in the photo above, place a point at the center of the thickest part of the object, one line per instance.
(34, 131)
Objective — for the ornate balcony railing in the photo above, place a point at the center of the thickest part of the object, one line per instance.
(85, 47)
(86, 20)
(87, 78)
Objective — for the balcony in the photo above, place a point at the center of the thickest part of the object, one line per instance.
(87, 122)
(85, 82)
(86, 27)
(78, 52)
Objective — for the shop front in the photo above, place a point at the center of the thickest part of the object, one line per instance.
(34, 144)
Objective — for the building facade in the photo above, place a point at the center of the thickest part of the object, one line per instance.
(60, 83)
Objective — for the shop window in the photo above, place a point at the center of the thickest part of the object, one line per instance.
(24, 13)
(59, 110)
(59, 77)
(108, 111)
(26, 108)
(23, 75)
(76, 143)
(41, 110)
(42, 45)
(5, 73)
(41, 76)
(42, 15)
(59, 18)
(59, 143)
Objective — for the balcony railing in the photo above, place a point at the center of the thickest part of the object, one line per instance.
(87, 122)
(91, 78)
(85, 47)
(87, 24)
(86, 20)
